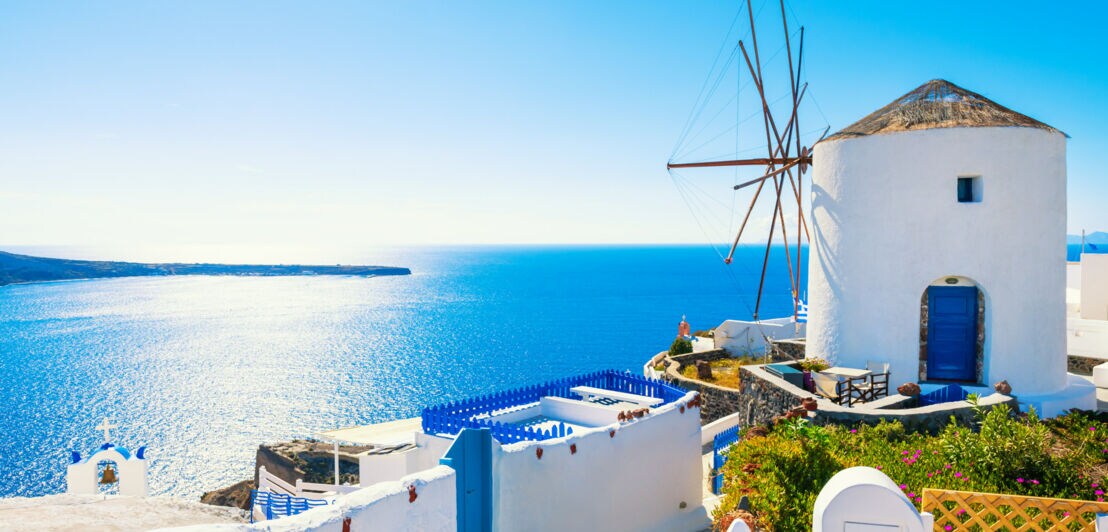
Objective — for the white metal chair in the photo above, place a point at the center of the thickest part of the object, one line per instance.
(878, 378)
(877, 366)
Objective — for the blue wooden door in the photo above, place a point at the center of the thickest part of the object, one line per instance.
(952, 333)
(471, 457)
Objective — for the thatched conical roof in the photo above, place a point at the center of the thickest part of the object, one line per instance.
(937, 104)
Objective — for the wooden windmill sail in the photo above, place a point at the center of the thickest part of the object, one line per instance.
(785, 162)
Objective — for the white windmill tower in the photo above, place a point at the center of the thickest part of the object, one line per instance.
(938, 244)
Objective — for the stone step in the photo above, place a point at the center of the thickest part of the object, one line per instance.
(1100, 375)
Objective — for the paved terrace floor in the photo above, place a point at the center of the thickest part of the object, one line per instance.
(96, 513)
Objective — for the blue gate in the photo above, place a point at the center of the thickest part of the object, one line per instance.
(952, 333)
(720, 443)
(471, 458)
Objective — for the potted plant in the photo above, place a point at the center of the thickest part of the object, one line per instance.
(808, 365)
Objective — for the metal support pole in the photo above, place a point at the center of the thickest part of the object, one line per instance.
(336, 464)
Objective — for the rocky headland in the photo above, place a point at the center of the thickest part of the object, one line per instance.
(16, 268)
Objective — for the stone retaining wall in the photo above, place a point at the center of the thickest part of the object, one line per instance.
(761, 400)
(717, 400)
(689, 359)
(788, 349)
(764, 396)
(1083, 365)
(307, 460)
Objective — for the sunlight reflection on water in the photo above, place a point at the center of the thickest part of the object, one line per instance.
(203, 369)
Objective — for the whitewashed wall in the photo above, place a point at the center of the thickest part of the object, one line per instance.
(1094, 287)
(1087, 338)
(711, 430)
(1073, 288)
(748, 337)
(374, 468)
(886, 223)
(636, 480)
(648, 370)
(384, 506)
(639, 476)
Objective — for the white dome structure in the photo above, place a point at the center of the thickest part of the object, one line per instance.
(938, 244)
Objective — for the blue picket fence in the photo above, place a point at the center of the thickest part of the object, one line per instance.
(276, 505)
(946, 394)
(720, 444)
(451, 418)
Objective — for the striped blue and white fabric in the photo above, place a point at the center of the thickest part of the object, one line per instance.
(801, 311)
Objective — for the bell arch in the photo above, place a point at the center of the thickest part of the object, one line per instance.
(107, 476)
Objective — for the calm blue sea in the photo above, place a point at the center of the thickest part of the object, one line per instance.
(203, 369)
(1073, 251)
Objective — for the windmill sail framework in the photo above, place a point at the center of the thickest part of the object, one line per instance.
(783, 160)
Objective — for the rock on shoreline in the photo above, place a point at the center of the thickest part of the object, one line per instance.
(235, 495)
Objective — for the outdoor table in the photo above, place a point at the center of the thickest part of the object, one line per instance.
(849, 373)
(854, 392)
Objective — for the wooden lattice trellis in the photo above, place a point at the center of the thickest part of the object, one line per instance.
(979, 512)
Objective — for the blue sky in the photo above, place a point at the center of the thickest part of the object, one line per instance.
(297, 124)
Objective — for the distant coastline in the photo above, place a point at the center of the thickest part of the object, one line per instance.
(19, 269)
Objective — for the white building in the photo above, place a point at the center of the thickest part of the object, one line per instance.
(1087, 306)
(938, 245)
(602, 451)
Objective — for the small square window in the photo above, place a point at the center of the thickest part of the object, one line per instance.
(969, 190)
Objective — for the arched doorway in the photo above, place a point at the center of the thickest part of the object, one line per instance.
(952, 327)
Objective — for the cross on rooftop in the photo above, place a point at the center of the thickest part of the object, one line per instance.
(107, 427)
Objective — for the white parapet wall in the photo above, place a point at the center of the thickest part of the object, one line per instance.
(374, 468)
(648, 370)
(711, 430)
(385, 506)
(1087, 338)
(643, 475)
(1073, 289)
(1086, 299)
(1094, 287)
(749, 337)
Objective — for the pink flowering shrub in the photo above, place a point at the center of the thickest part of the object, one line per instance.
(783, 471)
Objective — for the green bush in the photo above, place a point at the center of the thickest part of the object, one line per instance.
(680, 346)
(783, 471)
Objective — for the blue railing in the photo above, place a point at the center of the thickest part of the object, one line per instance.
(451, 418)
(946, 394)
(722, 441)
(276, 505)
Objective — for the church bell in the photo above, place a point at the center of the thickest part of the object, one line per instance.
(109, 476)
